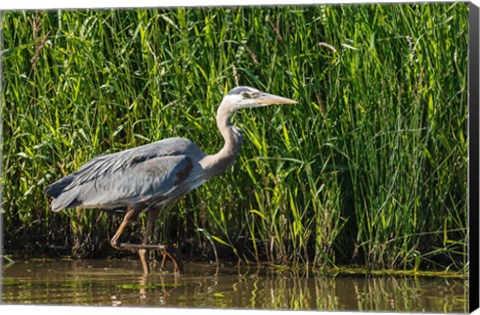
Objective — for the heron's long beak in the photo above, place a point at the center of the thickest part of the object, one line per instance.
(270, 99)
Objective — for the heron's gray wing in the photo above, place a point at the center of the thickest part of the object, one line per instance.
(139, 185)
(132, 178)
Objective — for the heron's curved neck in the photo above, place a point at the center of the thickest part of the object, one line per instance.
(216, 164)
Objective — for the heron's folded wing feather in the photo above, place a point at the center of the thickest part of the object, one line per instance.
(112, 174)
(138, 181)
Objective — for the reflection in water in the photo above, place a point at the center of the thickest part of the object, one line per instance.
(119, 283)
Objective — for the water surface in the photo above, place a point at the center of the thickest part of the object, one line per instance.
(121, 283)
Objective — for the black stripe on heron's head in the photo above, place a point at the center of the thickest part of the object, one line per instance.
(239, 90)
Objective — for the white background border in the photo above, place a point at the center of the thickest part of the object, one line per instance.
(78, 4)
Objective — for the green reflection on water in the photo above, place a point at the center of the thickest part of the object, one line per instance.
(120, 282)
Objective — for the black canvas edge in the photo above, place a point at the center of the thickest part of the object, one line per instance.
(473, 176)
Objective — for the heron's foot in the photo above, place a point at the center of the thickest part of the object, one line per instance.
(168, 251)
(171, 252)
(115, 244)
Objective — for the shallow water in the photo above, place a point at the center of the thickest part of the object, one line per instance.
(121, 283)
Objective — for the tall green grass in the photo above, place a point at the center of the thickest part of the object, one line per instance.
(369, 168)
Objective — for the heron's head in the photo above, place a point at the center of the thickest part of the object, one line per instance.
(248, 97)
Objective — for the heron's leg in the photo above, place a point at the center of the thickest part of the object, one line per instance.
(173, 255)
(142, 253)
(152, 215)
(114, 241)
(168, 251)
(141, 248)
(128, 217)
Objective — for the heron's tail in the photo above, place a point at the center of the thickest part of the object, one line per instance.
(61, 199)
(55, 189)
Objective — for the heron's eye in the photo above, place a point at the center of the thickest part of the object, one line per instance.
(246, 95)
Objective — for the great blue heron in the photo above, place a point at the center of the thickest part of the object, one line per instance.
(153, 176)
